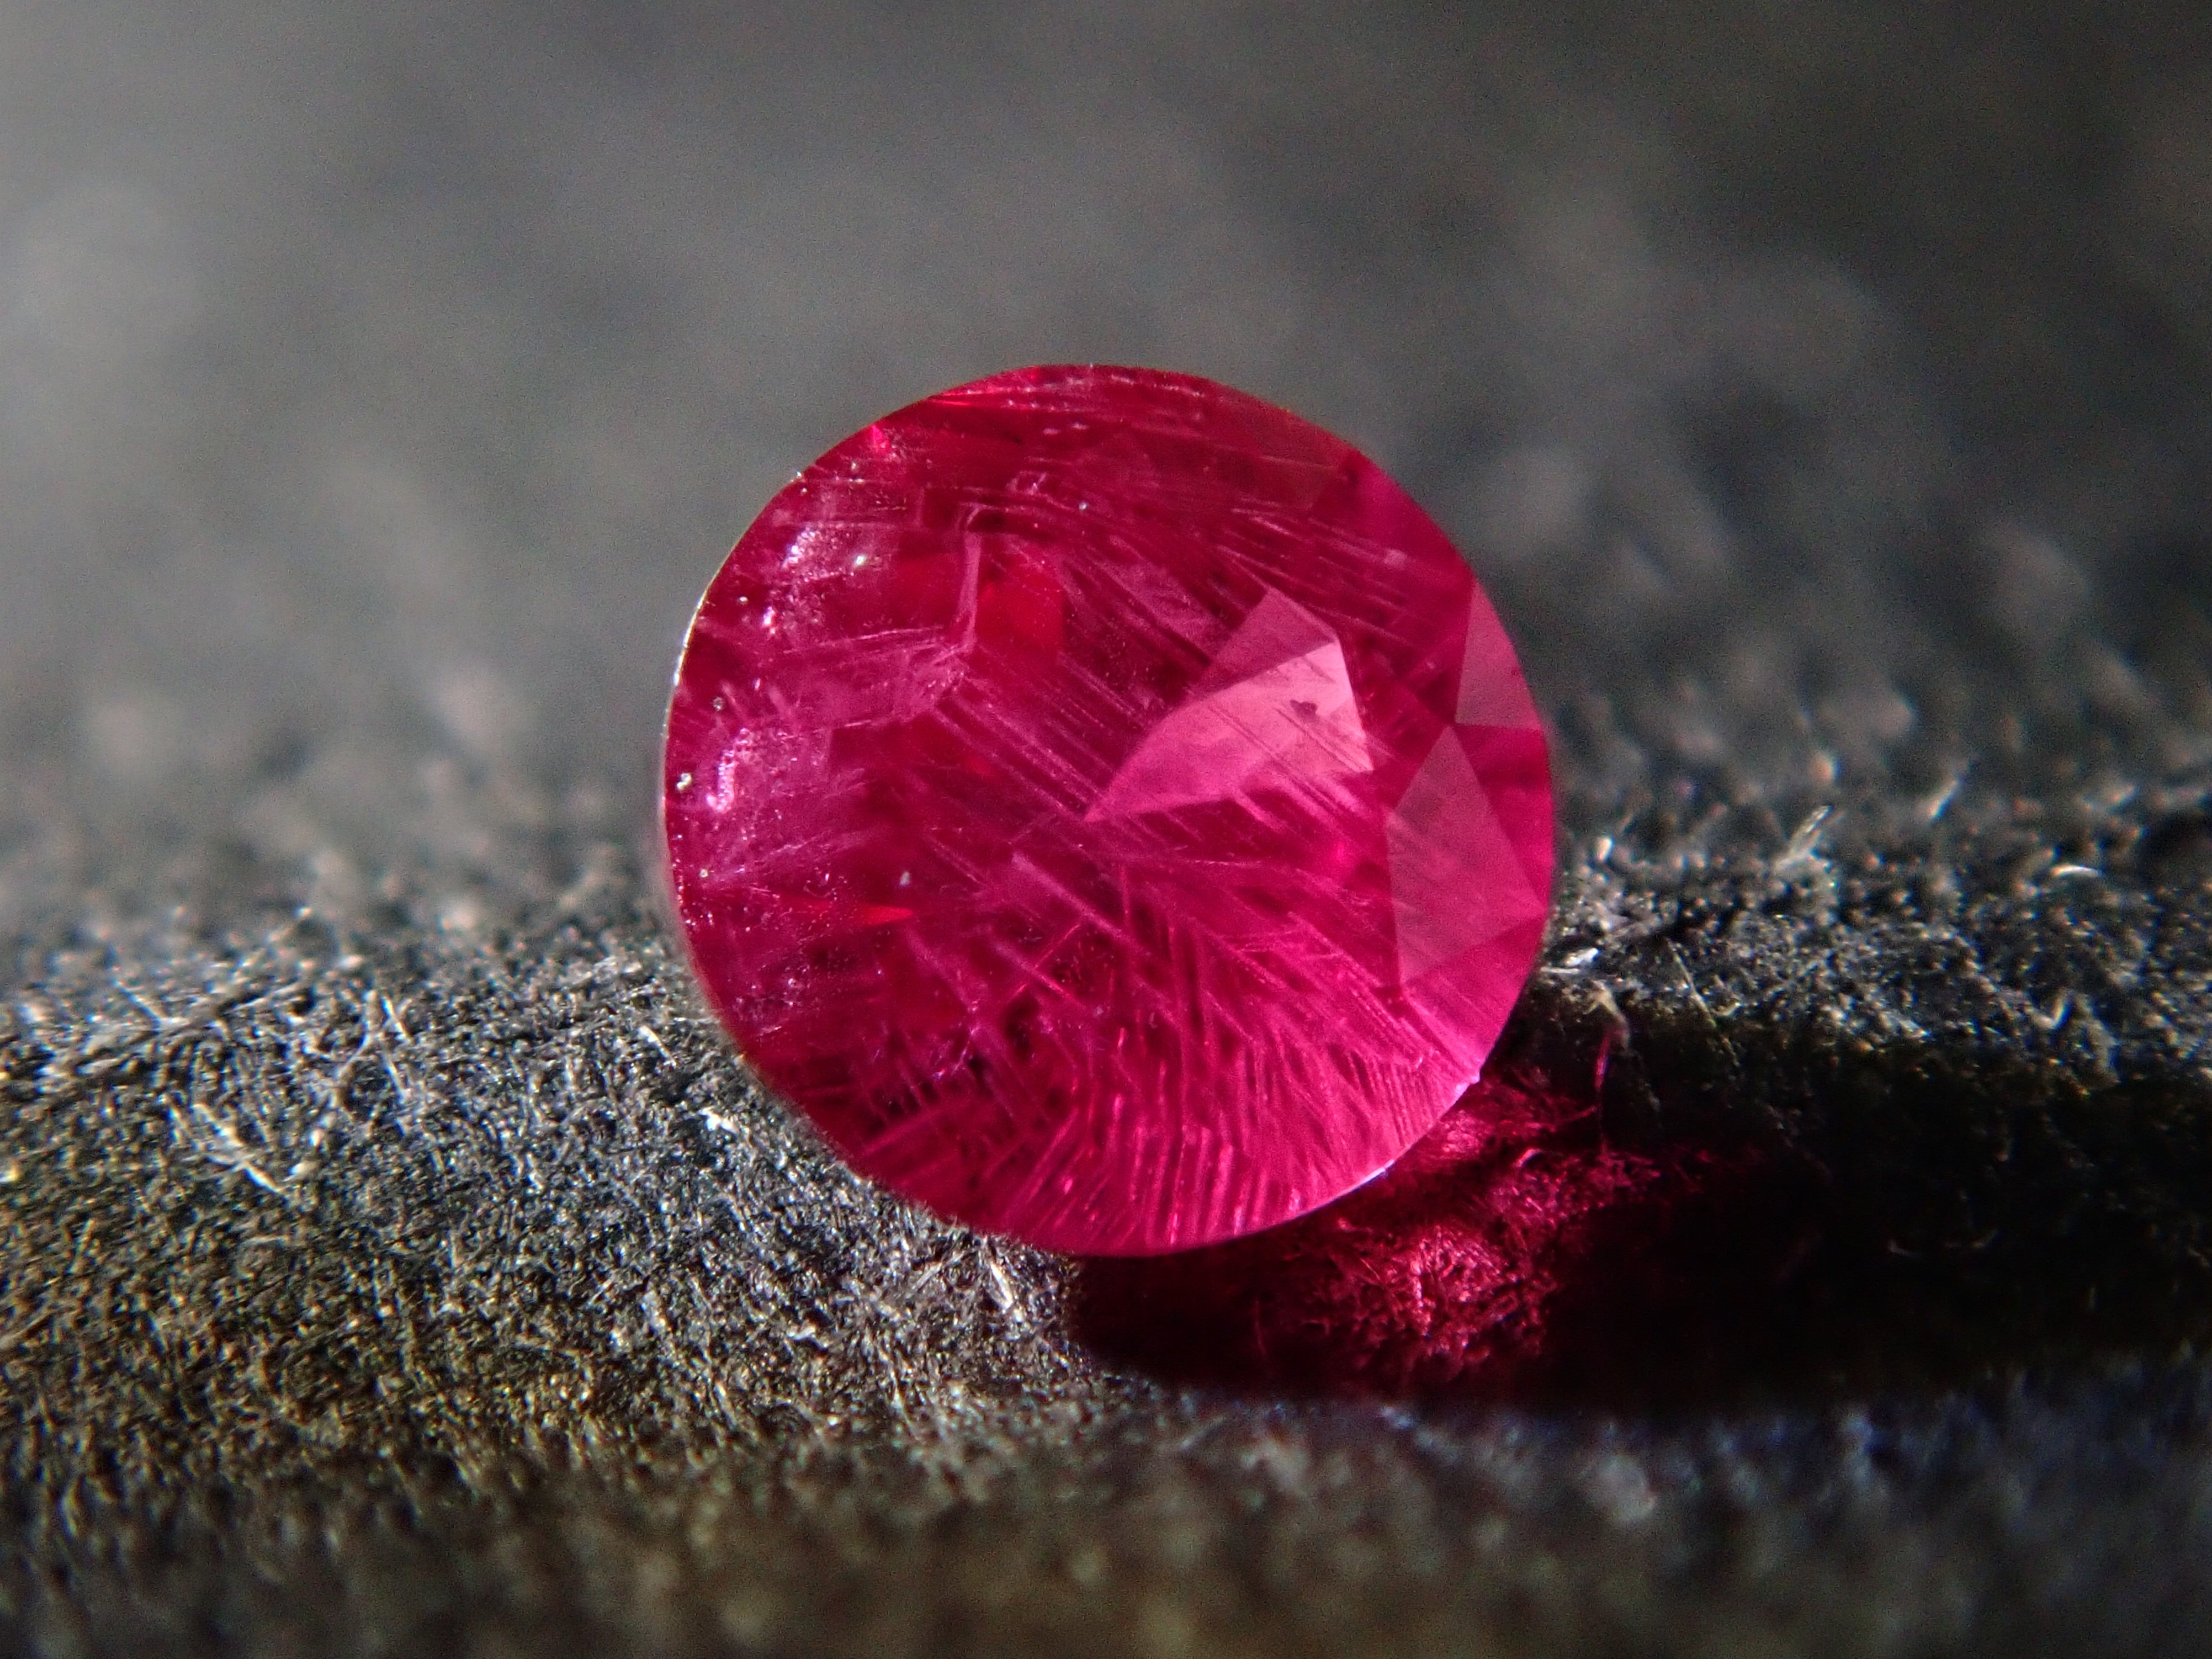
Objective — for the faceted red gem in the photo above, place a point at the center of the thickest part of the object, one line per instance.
(1108, 807)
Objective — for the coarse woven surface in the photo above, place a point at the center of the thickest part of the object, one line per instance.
(395, 1259)
(1108, 807)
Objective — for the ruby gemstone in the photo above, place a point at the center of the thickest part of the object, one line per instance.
(1108, 807)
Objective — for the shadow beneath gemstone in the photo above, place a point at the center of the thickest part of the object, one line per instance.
(1629, 1236)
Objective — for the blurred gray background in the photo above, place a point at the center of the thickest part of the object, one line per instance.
(1819, 387)
(394, 1259)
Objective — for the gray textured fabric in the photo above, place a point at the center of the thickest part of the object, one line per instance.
(396, 1258)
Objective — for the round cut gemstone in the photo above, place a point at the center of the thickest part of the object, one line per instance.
(1108, 807)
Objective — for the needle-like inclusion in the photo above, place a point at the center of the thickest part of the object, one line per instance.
(1108, 807)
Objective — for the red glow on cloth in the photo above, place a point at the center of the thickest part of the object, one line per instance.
(1511, 1252)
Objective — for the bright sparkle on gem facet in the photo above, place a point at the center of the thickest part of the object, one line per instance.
(1108, 807)
(1295, 718)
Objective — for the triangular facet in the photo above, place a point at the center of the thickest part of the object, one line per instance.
(1274, 631)
(1274, 709)
(1455, 881)
(1492, 690)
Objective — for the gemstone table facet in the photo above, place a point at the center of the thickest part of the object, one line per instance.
(1108, 807)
